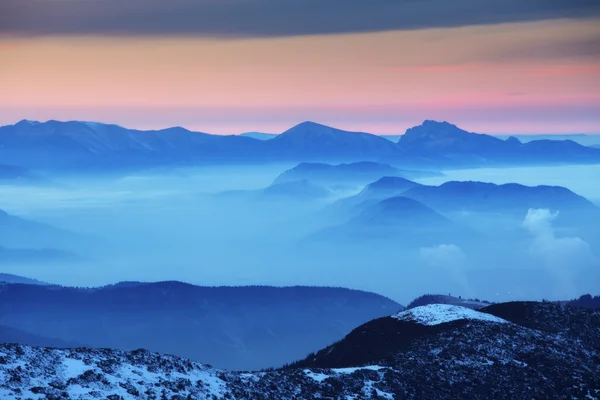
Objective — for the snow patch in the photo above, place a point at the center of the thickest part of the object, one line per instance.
(354, 369)
(435, 314)
(317, 376)
(74, 367)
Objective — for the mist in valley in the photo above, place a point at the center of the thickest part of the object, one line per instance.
(218, 226)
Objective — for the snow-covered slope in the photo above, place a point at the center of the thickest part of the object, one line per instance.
(435, 314)
(555, 357)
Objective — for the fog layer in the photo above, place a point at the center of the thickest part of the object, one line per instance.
(218, 226)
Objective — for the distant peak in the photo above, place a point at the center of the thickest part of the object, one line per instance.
(436, 314)
(391, 183)
(431, 122)
(431, 130)
(310, 125)
(26, 122)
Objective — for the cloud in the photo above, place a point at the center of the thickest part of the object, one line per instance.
(557, 252)
(448, 257)
(562, 256)
(539, 222)
(257, 18)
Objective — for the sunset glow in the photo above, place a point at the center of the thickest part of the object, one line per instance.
(529, 77)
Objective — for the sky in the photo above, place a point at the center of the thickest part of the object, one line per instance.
(232, 66)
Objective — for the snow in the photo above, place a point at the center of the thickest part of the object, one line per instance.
(435, 314)
(317, 376)
(352, 370)
(320, 377)
(73, 367)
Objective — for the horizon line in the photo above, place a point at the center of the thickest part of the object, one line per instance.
(299, 123)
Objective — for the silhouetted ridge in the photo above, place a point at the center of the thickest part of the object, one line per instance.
(586, 301)
(246, 327)
(391, 183)
(88, 146)
(429, 352)
(350, 173)
(481, 196)
(399, 209)
(446, 299)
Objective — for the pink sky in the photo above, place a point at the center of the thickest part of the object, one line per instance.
(510, 78)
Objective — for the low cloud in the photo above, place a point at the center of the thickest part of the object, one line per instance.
(562, 256)
(447, 257)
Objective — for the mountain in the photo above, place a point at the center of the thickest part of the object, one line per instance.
(309, 141)
(11, 335)
(38, 256)
(301, 190)
(587, 301)
(10, 278)
(444, 299)
(259, 135)
(21, 233)
(298, 190)
(230, 327)
(581, 138)
(14, 174)
(383, 188)
(429, 352)
(358, 173)
(441, 143)
(77, 146)
(402, 220)
(56, 144)
(510, 198)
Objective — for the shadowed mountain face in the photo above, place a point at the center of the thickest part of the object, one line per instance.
(446, 144)
(14, 174)
(312, 141)
(229, 327)
(56, 144)
(386, 187)
(402, 220)
(11, 335)
(38, 256)
(90, 145)
(298, 190)
(508, 198)
(445, 299)
(431, 352)
(507, 345)
(301, 191)
(10, 278)
(20, 233)
(359, 173)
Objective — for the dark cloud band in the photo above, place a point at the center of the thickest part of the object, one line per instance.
(234, 18)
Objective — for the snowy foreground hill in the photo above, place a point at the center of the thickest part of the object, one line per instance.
(505, 351)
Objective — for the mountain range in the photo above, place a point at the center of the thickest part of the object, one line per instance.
(404, 221)
(473, 196)
(91, 145)
(445, 143)
(18, 233)
(298, 191)
(518, 350)
(14, 174)
(357, 173)
(10, 278)
(230, 327)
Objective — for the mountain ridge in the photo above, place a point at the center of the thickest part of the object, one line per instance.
(466, 354)
(246, 327)
(63, 145)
